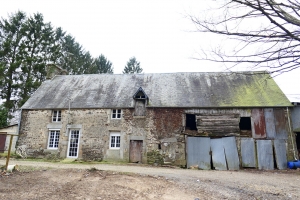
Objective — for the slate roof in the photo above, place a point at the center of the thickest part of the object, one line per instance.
(186, 90)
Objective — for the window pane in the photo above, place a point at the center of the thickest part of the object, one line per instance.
(112, 143)
(59, 116)
(118, 141)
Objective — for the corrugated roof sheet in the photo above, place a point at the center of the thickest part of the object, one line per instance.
(197, 90)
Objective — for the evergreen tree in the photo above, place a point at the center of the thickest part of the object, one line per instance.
(39, 38)
(27, 46)
(132, 67)
(101, 65)
(3, 116)
(11, 56)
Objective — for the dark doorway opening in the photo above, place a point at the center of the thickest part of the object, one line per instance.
(245, 123)
(298, 142)
(191, 122)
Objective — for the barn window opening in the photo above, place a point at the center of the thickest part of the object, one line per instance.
(191, 122)
(245, 123)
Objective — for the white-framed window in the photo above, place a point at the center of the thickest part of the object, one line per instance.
(116, 113)
(56, 116)
(53, 139)
(114, 142)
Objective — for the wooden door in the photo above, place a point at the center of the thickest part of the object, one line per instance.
(135, 151)
(139, 108)
(2, 143)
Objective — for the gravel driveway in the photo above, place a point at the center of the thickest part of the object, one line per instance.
(211, 184)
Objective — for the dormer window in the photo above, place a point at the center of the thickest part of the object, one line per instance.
(140, 94)
(140, 98)
(56, 116)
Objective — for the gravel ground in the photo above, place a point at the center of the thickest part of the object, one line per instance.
(190, 184)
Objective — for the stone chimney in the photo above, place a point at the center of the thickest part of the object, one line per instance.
(53, 70)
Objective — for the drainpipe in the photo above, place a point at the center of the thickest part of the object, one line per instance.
(292, 137)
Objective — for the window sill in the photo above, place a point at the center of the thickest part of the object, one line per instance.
(52, 149)
(139, 117)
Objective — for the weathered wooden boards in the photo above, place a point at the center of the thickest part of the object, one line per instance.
(218, 124)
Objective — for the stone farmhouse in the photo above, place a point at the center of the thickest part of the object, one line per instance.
(222, 121)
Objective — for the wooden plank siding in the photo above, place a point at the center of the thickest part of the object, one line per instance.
(218, 124)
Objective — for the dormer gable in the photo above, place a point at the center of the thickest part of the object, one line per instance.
(140, 94)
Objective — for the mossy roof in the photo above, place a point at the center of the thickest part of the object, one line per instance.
(187, 90)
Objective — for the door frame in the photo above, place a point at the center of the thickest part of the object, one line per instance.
(69, 138)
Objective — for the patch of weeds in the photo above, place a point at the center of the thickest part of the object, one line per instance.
(92, 169)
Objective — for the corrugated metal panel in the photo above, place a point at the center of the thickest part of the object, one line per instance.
(189, 90)
(270, 123)
(280, 153)
(248, 152)
(295, 118)
(258, 123)
(218, 155)
(231, 153)
(198, 152)
(280, 124)
(265, 154)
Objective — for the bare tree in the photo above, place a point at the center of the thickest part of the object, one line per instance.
(266, 31)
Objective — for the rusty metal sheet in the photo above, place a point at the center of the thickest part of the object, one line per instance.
(265, 154)
(248, 152)
(231, 153)
(198, 152)
(218, 155)
(258, 123)
(280, 124)
(280, 154)
(270, 123)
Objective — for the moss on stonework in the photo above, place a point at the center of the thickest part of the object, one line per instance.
(154, 156)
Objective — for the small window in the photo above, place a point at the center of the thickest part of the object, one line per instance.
(56, 116)
(53, 139)
(245, 123)
(115, 139)
(191, 122)
(116, 114)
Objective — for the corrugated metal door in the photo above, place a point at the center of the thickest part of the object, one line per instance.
(218, 155)
(258, 123)
(280, 154)
(265, 154)
(198, 152)
(135, 151)
(248, 152)
(231, 153)
(2, 143)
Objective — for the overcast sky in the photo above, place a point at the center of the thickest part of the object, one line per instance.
(155, 32)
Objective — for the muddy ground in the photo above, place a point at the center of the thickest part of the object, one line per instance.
(42, 180)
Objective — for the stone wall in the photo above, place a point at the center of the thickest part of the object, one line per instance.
(160, 129)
